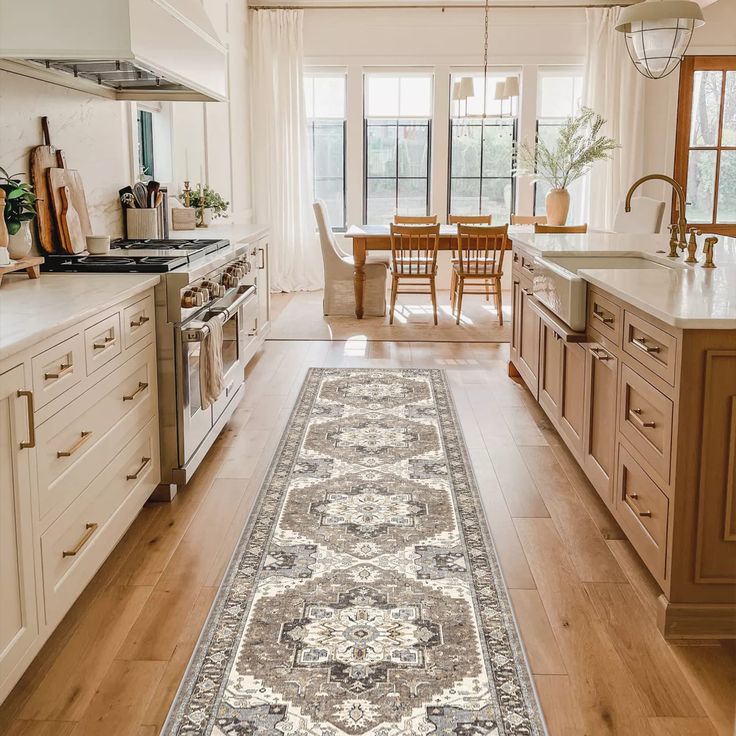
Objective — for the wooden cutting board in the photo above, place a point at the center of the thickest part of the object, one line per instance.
(71, 226)
(43, 158)
(58, 178)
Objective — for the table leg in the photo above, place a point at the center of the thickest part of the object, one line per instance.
(359, 250)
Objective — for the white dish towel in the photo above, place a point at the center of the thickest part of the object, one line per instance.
(211, 376)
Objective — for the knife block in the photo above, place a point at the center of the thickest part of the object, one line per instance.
(143, 224)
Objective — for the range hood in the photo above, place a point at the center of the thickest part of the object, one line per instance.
(125, 49)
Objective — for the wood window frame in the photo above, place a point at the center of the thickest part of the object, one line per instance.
(688, 67)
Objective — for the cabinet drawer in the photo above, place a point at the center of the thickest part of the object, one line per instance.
(641, 509)
(645, 419)
(604, 316)
(57, 369)
(137, 321)
(650, 346)
(83, 437)
(102, 342)
(77, 543)
(527, 266)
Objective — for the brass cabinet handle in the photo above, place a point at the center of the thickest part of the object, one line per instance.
(635, 414)
(82, 439)
(144, 462)
(140, 321)
(141, 387)
(64, 368)
(31, 425)
(602, 318)
(90, 530)
(641, 343)
(635, 497)
(600, 354)
(262, 264)
(108, 341)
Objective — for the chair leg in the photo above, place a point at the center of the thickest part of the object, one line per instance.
(394, 289)
(460, 286)
(488, 290)
(453, 287)
(434, 298)
(499, 302)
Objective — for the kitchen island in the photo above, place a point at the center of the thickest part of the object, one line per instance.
(633, 359)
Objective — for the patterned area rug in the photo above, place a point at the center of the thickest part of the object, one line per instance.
(365, 596)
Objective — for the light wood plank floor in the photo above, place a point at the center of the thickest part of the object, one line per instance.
(584, 603)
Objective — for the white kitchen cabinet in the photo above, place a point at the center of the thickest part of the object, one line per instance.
(18, 618)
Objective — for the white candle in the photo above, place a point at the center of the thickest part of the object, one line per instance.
(186, 163)
(201, 174)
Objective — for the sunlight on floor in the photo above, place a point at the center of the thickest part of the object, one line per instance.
(356, 347)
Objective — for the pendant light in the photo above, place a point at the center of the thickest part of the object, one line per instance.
(658, 33)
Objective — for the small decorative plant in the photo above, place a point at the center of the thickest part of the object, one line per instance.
(206, 197)
(20, 201)
(578, 146)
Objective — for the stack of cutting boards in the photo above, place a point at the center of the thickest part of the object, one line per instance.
(62, 215)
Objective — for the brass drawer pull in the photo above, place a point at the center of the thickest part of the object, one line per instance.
(636, 416)
(641, 343)
(600, 354)
(108, 341)
(262, 263)
(140, 321)
(68, 453)
(91, 529)
(144, 462)
(31, 425)
(602, 318)
(64, 369)
(141, 387)
(635, 497)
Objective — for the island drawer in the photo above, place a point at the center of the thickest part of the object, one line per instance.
(102, 342)
(645, 420)
(77, 441)
(649, 345)
(137, 321)
(604, 316)
(57, 369)
(76, 544)
(641, 510)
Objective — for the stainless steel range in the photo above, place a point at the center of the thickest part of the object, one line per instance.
(199, 279)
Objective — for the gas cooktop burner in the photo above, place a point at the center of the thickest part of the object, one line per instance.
(107, 260)
(205, 246)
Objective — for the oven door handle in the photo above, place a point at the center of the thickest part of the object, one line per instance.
(197, 331)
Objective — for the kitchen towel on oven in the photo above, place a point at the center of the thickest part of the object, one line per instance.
(211, 378)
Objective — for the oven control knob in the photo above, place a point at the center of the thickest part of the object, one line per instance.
(229, 280)
(192, 299)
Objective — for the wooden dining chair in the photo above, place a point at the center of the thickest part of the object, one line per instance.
(528, 219)
(415, 220)
(465, 220)
(480, 251)
(414, 260)
(539, 228)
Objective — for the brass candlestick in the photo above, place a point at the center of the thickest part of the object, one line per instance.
(187, 194)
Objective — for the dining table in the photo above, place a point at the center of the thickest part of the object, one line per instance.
(378, 238)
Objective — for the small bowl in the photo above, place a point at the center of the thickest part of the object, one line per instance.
(98, 245)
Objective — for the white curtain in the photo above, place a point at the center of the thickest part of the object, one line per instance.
(282, 189)
(615, 90)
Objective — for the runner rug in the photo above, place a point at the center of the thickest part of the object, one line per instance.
(365, 596)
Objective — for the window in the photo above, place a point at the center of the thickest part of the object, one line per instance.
(705, 152)
(559, 96)
(398, 129)
(482, 150)
(145, 144)
(325, 103)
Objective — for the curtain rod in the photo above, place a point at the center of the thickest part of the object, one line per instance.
(437, 6)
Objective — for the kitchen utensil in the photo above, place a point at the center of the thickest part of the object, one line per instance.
(140, 190)
(128, 200)
(142, 223)
(71, 227)
(71, 179)
(98, 245)
(43, 158)
(159, 199)
(152, 192)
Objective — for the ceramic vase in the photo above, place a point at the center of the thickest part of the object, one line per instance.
(20, 244)
(557, 203)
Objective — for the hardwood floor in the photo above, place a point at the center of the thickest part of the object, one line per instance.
(583, 601)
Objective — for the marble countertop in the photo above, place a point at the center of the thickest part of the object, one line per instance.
(227, 229)
(33, 309)
(689, 297)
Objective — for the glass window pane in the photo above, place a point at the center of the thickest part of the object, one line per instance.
(706, 112)
(332, 193)
(496, 199)
(413, 147)
(329, 97)
(381, 201)
(498, 149)
(382, 96)
(328, 149)
(412, 197)
(727, 187)
(381, 148)
(465, 196)
(415, 97)
(465, 149)
(559, 93)
(729, 111)
(701, 176)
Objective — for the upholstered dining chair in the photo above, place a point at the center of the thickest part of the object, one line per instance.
(465, 220)
(415, 220)
(528, 219)
(645, 216)
(540, 228)
(339, 294)
(480, 250)
(414, 260)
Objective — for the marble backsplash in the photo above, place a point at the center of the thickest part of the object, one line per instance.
(93, 132)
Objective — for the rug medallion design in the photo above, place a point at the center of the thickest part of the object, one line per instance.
(365, 596)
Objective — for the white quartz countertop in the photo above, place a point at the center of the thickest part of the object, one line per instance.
(689, 297)
(33, 309)
(226, 229)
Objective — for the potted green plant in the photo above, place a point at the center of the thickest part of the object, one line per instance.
(19, 211)
(579, 144)
(208, 203)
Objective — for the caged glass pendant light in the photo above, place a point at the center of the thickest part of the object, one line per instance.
(658, 33)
